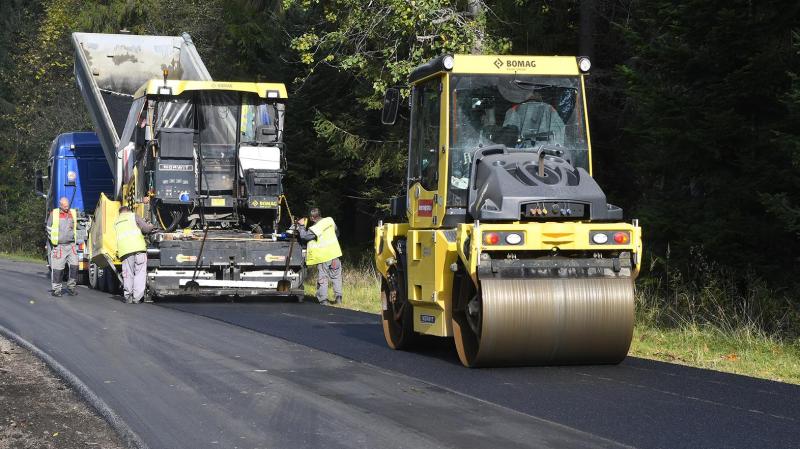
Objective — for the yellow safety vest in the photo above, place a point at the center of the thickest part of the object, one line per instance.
(129, 236)
(54, 226)
(326, 246)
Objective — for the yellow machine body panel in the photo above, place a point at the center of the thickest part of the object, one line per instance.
(177, 87)
(429, 285)
(553, 236)
(432, 253)
(102, 242)
(515, 64)
(102, 235)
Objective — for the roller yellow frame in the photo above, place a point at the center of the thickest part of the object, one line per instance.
(422, 258)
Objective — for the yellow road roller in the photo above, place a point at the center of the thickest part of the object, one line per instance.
(504, 241)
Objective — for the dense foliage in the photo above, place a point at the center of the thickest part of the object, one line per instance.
(694, 105)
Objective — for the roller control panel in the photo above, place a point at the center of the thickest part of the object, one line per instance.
(174, 176)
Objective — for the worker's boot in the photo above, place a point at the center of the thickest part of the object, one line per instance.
(338, 299)
(324, 302)
(73, 275)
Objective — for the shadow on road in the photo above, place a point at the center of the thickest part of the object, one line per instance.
(233, 299)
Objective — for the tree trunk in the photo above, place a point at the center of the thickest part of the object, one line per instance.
(475, 9)
(587, 28)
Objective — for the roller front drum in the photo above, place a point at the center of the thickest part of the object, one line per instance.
(546, 321)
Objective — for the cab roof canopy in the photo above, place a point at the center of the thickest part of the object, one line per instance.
(499, 65)
(178, 87)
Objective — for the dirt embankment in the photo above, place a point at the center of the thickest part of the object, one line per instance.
(38, 410)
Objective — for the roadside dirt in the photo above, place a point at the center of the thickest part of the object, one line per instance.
(38, 410)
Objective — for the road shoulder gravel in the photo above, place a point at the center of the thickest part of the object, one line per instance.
(40, 410)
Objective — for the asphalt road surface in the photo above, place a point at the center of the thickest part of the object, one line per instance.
(267, 374)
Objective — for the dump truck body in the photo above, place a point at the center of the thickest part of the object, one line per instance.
(203, 160)
(504, 241)
(110, 68)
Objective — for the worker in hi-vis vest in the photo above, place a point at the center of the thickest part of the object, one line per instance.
(62, 230)
(322, 250)
(132, 250)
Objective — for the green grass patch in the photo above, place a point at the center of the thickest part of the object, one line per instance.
(361, 287)
(21, 257)
(741, 352)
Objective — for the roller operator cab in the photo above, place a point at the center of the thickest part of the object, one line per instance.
(504, 241)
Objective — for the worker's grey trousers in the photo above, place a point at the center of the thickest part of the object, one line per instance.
(134, 276)
(62, 255)
(329, 270)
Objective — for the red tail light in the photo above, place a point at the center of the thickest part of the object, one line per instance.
(491, 238)
(621, 238)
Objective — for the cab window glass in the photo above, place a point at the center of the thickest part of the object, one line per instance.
(424, 157)
(256, 114)
(520, 112)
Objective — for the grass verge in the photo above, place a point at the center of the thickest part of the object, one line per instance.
(360, 287)
(19, 257)
(740, 352)
(729, 347)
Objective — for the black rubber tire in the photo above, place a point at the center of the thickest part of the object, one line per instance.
(399, 334)
(102, 285)
(82, 277)
(110, 280)
(92, 276)
(466, 340)
(116, 286)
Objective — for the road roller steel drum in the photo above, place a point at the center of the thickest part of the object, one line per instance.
(549, 321)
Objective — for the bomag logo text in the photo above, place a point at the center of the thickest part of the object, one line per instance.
(520, 64)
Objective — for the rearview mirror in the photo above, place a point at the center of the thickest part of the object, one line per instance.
(38, 179)
(267, 130)
(391, 103)
(266, 133)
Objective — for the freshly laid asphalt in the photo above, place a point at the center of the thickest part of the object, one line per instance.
(271, 374)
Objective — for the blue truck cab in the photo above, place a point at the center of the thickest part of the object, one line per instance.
(78, 170)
